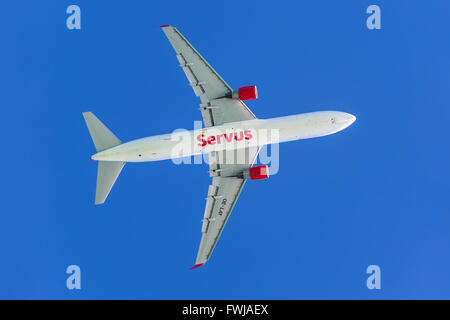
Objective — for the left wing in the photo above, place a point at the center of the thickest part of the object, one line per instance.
(217, 107)
(227, 183)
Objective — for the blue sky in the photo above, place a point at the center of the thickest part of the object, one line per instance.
(376, 193)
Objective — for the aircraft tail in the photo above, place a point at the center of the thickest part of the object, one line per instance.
(108, 171)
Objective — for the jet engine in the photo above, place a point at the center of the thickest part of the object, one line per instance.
(246, 93)
(257, 173)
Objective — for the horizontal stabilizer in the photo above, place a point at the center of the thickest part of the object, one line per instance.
(103, 138)
(108, 171)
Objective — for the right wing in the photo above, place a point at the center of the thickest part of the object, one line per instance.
(226, 168)
(222, 196)
(216, 107)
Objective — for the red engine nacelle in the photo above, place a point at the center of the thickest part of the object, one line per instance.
(259, 172)
(246, 93)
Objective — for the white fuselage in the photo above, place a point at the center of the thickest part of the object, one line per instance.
(230, 136)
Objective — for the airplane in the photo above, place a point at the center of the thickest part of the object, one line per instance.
(232, 137)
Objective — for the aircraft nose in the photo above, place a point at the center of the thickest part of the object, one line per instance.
(349, 118)
(346, 118)
(343, 119)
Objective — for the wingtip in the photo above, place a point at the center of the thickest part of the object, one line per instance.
(196, 266)
(86, 114)
(165, 25)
